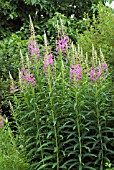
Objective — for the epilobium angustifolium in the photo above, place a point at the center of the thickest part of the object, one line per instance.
(59, 117)
(76, 72)
(33, 49)
(48, 60)
(98, 72)
(62, 44)
(26, 77)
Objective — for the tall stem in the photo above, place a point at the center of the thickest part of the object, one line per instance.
(78, 125)
(99, 125)
(37, 125)
(53, 116)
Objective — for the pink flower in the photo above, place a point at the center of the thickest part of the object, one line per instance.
(104, 66)
(26, 77)
(22, 91)
(48, 60)
(62, 44)
(92, 75)
(98, 74)
(95, 74)
(76, 71)
(33, 49)
(1, 121)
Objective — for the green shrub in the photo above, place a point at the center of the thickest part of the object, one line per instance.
(10, 54)
(14, 14)
(9, 62)
(65, 24)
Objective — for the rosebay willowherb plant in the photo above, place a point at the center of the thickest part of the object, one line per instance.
(63, 108)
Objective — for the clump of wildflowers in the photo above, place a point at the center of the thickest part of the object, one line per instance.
(33, 49)
(26, 77)
(1, 121)
(97, 73)
(62, 44)
(104, 67)
(93, 75)
(48, 60)
(76, 72)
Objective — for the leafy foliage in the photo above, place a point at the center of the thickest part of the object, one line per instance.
(62, 126)
(9, 62)
(14, 15)
(10, 156)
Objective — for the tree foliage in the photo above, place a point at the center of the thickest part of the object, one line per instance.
(14, 14)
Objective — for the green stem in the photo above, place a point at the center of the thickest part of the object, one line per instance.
(53, 116)
(99, 126)
(62, 72)
(78, 126)
(37, 123)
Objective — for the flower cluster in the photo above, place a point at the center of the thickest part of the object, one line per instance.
(104, 66)
(48, 60)
(96, 74)
(1, 121)
(26, 77)
(33, 49)
(62, 44)
(76, 72)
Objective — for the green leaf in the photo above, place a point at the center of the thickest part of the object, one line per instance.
(49, 134)
(39, 37)
(11, 16)
(47, 158)
(69, 161)
(73, 165)
(55, 149)
(54, 165)
(89, 167)
(80, 157)
(45, 144)
(89, 155)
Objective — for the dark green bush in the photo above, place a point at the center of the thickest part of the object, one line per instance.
(14, 14)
